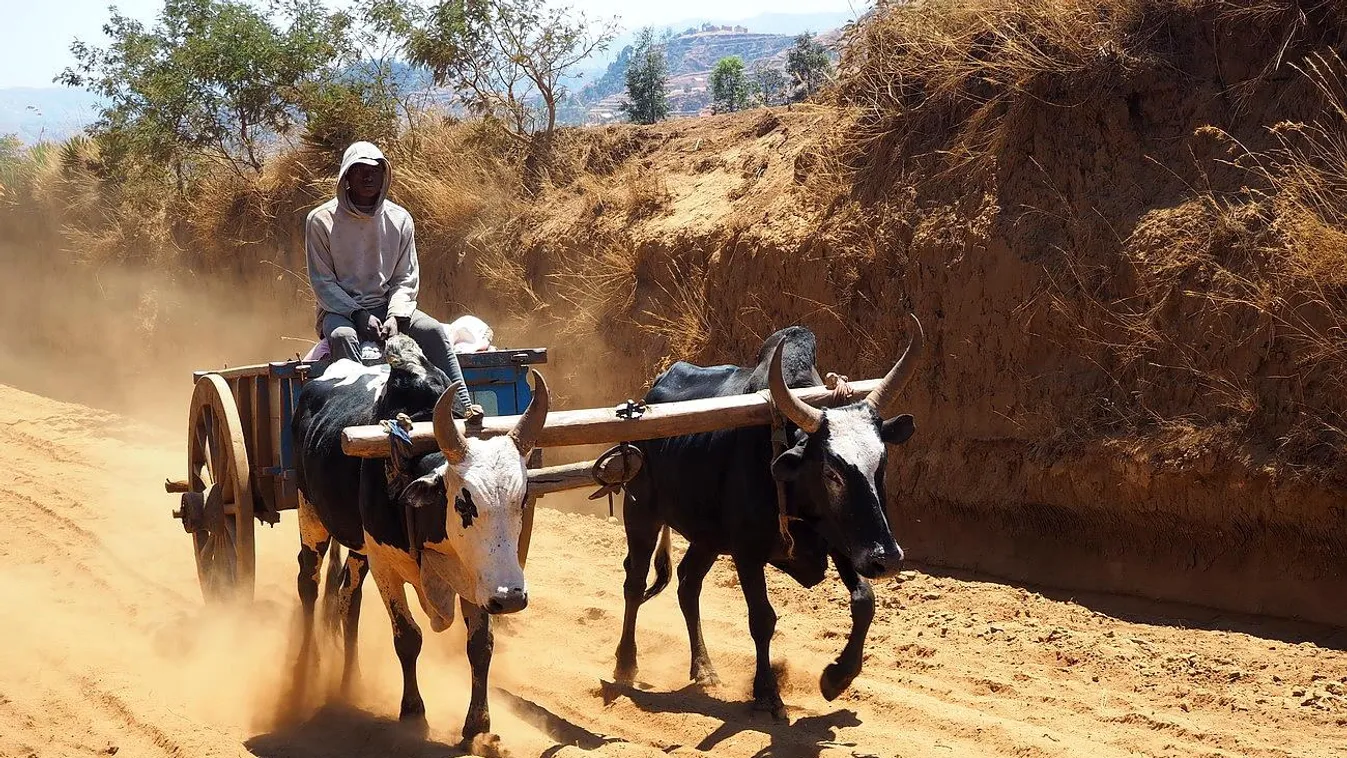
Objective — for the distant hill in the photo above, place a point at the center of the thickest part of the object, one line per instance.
(692, 54)
(594, 71)
(37, 113)
(56, 113)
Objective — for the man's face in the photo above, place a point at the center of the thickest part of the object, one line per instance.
(365, 181)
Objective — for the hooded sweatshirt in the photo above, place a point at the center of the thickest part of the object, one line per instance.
(360, 260)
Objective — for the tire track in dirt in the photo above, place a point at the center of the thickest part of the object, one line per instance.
(109, 647)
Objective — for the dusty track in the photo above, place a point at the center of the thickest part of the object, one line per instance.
(107, 648)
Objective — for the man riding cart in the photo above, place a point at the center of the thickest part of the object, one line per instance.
(361, 254)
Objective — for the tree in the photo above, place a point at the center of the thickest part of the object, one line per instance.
(808, 63)
(647, 81)
(769, 83)
(729, 88)
(213, 79)
(374, 92)
(502, 57)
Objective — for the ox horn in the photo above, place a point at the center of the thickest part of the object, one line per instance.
(525, 433)
(882, 398)
(447, 436)
(805, 416)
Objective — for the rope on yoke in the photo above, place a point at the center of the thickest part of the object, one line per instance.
(397, 475)
(839, 384)
(783, 517)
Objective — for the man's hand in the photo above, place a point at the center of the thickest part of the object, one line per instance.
(367, 325)
(390, 327)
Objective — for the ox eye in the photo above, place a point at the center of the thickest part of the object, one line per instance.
(832, 475)
(465, 507)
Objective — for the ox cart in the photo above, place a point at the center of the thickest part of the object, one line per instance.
(240, 454)
(240, 451)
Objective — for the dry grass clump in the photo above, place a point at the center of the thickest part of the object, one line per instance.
(599, 287)
(947, 76)
(686, 321)
(959, 65)
(647, 194)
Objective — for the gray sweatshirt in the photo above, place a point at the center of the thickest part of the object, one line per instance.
(360, 260)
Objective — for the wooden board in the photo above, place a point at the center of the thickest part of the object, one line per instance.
(597, 426)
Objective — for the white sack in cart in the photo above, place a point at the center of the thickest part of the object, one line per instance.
(469, 334)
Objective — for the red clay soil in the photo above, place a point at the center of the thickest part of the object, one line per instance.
(109, 649)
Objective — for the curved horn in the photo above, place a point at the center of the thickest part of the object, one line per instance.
(881, 398)
(447, 436)
(525, 433)
(805, 416)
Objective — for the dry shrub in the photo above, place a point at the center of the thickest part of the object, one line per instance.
(599, 288)
(948, 76)
(686, 319)
(646, 193)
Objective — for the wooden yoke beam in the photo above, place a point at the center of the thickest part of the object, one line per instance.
(597, 426)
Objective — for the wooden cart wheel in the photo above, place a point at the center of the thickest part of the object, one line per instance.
(219, 474)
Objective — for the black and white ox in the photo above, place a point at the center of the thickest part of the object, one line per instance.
(467, 499)
(719, 491)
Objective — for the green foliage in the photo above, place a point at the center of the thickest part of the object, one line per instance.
(808, 63)
(647, 81)
(212, 80)
(729, 86)
(375, 92)
(341, 112)
(505, 58)
(768, 83)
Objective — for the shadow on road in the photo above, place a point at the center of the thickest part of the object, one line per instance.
(348, 732)
(801, 738)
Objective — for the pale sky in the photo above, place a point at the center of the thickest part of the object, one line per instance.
(38, 33)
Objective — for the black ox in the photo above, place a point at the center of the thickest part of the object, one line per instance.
(719, 491)
(467, 552)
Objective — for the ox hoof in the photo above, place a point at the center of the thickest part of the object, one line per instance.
(486, 745)
(705, 676)
(834, 681)
(625, 671)
(771, 704)
(413, 719)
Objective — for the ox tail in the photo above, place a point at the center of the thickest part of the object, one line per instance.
(333, 583)
(663, 564)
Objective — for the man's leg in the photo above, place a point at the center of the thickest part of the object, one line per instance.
(341, 337)
(429, 334)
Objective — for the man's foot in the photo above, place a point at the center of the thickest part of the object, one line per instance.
(474, 415)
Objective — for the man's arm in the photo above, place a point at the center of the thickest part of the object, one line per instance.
(405, 281)
(322, 276)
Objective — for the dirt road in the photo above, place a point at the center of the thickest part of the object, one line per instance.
(108, 650)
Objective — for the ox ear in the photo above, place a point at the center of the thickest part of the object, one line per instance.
(787, 466)
(427, 491)
(897, 430)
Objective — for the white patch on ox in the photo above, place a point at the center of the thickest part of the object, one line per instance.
(345, 371)
(852, 436)
(481, 560)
